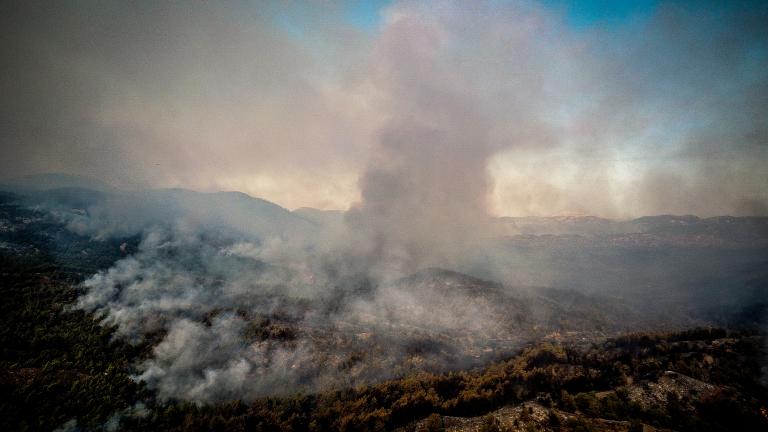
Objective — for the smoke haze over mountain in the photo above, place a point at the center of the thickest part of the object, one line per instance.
(422, 128)
(294, 103)
(242, 298)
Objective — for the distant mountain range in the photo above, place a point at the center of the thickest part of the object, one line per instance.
(41, 182)
(657, 263)
(251, 214)
(97, 209)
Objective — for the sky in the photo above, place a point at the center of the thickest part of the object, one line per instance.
(610, 108)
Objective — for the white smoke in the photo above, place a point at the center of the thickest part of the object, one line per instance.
(249, 301)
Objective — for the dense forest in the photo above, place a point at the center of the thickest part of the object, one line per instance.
(60, 368)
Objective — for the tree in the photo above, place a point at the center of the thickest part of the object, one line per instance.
(490, 424)
(434, 423)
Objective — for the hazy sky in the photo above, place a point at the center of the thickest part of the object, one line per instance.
(613, 108)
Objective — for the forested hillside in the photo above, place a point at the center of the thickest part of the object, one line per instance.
(59, 368)
(62, 368)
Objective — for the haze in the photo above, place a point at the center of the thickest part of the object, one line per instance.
(389, 215)
(500, 108)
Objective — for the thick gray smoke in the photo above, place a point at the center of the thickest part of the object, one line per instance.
(663, 114)
(241, 319)
(424, 191)
(244, 297)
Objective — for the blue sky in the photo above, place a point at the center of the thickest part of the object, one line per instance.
(579, 13)
(366, 14)
(586, 13)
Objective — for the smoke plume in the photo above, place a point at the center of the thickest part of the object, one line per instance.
(447, 114)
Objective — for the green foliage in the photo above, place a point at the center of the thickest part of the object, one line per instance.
(567, 403)
(579, 425)
(434, 423)
(587, 403)
(490, 424)
(57, 364)
(553, 419)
